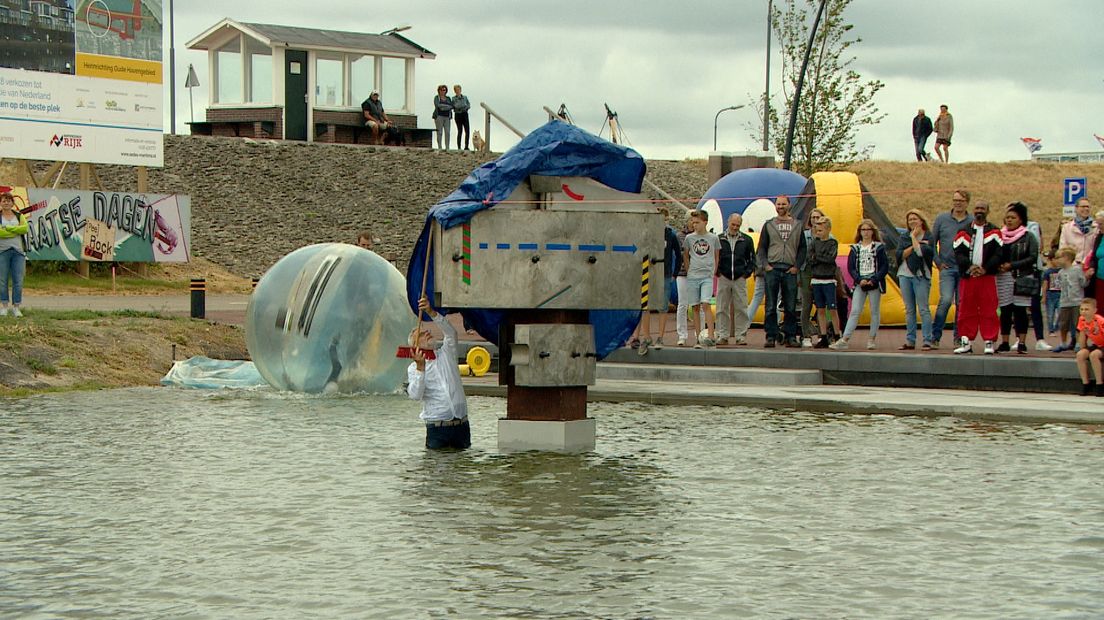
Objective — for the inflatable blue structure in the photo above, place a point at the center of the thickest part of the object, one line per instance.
(738, 190)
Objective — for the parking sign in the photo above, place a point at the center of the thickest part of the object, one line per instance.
(1073, 190)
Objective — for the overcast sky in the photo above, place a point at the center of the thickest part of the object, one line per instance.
(1008, 69)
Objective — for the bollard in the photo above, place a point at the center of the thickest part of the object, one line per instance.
(199, 298)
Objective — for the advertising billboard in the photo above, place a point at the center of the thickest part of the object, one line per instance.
(80, 81)
(72, 225)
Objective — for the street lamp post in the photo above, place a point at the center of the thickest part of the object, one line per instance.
(766, 89)
(718, 115)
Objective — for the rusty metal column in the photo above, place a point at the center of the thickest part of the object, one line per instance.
(559, 403)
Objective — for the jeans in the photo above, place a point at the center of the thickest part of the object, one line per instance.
(920, 143)
(756, 297)
(949, 281)
(440, 437)
(805, 281)
(13, 266)
(914, 292)
(858, 300)
(1052, 299)
(780, 281)
(1037, 317)
(463, 131)
(443, 124)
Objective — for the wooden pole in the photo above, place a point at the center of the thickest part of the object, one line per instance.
(85, 184)
(143, 188)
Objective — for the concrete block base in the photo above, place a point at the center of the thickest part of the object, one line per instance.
(550, 436)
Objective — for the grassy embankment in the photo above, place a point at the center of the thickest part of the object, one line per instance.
(81, 349)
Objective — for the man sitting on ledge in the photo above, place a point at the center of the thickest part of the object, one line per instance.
(375, 118)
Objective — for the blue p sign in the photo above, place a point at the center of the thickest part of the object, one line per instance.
(1074, 191)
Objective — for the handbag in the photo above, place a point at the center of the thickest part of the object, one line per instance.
(1026, 285)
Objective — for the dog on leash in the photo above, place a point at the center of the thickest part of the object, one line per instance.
(477, 141)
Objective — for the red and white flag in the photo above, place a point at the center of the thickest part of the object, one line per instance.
(1033, 144)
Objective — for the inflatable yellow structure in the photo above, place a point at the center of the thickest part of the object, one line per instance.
(843, 199)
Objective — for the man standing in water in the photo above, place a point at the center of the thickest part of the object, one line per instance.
(436, 382)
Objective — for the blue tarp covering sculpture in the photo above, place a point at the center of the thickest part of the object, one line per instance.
(555, 149)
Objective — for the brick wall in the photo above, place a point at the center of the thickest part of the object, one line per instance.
(256, 122)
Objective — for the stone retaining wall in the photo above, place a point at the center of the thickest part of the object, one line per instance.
(255, 201)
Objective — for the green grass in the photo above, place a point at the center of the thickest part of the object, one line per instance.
(88, 315)
(38, 365)
(47, 281)
(23, 392)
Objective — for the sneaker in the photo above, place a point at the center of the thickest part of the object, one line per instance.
(989, 347)
(1100, 389)
(1042, 345)
(644, 344)
(740, 342)
(871, 345)
(769, 344)
(908, 346)
(793, 343)
(698, 344)
(927, 347)
(1087, 389)
(1001, 348)
(681, 342)
(708, 343)
(964, 348)
(658, 344)
(15, 311)
(722, 341)
(934, 345)
(1062, 348)
(634, 343)
(1021, 348)
(822, 343)
(839, 345)
(4, 311)
(806, 343)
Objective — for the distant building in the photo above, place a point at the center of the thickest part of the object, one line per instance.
(1087, 156)
(303, 83)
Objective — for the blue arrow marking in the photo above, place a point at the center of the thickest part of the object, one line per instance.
(557, 246)
(525, 246)
(625, 248)
(591, 248)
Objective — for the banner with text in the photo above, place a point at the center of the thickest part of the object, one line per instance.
(83, 84)
(71, 225)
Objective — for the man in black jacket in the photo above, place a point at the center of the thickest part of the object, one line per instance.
(735, 264)
(921, 129)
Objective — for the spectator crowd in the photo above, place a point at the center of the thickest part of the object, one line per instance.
(993, 268)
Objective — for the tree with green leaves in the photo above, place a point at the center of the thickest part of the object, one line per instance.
(835, 100)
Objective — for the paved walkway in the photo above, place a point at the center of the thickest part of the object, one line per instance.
(1006, 406)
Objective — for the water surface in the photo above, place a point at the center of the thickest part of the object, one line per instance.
(165, 503)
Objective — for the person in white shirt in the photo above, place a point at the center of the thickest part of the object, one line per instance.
(436, 383)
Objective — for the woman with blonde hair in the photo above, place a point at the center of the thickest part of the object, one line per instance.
(13, 259)
(868, 265)
(915, 253)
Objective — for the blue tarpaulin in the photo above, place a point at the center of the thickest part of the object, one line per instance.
(555, 149)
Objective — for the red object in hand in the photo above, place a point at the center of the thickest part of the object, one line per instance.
(408, 353)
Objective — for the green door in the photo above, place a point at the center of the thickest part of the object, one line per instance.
(295, 95)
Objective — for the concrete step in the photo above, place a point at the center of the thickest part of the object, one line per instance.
(725, 375)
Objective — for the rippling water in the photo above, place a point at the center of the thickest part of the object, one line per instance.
(162, 503)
